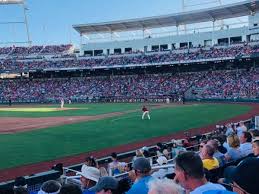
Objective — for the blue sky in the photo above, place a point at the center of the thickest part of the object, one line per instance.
(50, 21)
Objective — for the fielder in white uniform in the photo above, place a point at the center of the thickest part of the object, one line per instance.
(62, 103)
(145, 112)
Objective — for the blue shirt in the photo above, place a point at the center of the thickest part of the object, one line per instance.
(246, 149)
(208, 187)
(140, 187)
(234, 154)
(220, 157)
(229, 131)
(86, 191)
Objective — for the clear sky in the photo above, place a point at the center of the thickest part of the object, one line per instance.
(50, 21)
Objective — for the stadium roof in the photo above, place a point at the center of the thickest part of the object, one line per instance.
(5, 2)
(239, 9)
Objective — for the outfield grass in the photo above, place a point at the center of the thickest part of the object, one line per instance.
(52, 111)
(55, 142)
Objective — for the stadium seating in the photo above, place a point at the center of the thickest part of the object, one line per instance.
(68, 61)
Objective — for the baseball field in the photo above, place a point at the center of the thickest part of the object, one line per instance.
(32, 134)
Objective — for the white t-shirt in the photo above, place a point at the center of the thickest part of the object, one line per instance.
(207, 187)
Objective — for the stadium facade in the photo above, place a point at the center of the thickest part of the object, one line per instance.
(224, 36)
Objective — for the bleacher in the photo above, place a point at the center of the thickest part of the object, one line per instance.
(68, 174)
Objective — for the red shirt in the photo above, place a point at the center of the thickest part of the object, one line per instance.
(144, 109)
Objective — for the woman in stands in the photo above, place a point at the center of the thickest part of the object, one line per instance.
(234, 152)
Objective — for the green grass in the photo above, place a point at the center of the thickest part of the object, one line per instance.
(83, 109)
(55, 142)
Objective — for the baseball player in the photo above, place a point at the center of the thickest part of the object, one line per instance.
(62, 103)
(145, 112)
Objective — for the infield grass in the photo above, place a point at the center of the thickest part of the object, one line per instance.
(67, 140)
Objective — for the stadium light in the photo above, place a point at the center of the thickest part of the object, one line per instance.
(11, 1)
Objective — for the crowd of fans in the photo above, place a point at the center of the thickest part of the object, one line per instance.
(24, 51)
(229, 84)
(237, 84)
(138, 86)
(133, 59)
(223, 161)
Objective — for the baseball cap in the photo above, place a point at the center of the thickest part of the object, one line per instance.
(162, 160)
(106, 182)
(142, 164)
(91, 173)
(246, 175)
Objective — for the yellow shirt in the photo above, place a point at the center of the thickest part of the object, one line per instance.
(210, 164)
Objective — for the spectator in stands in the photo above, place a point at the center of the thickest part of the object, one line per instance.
(234, 151)
(160, 148)
(164, 186)
(90, 161)
(20, 182)
(217, 154)
(222, 142)
(161, 173)
(106, 185)
(229, 130)
(141, 176)
(51, 186)
(256, 147)
(241, 128)
(20, 185)
(70, 189)
(177, 147)
(245, 176)
(202, 144)
(209, 162)
(189, 173)
(138, 155)
(89, 177)
(115, 166)
(246, 143)
(145, 152)
(254, 133)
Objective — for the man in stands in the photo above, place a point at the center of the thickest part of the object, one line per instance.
(145, 112)
(209, 162)
(241, 128)
(158, 186)
(141, 176)
(245, 176)
(50, 186)
(217, 154)
(246, 145)
(256, 147)
(20, 186)
(189, 173)
(89, 177)
(106, 185)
